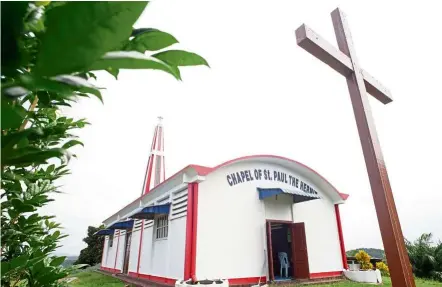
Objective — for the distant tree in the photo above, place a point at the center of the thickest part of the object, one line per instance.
(92, 253)
(425, 257)
(373, 252)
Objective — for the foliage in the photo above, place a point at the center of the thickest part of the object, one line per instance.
(373, 252)
(48, 53)
(364, 259)
(90, 278)
(383, 268)
(91, 255)
(425, 257)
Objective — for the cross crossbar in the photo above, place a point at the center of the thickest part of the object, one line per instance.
(313, 43)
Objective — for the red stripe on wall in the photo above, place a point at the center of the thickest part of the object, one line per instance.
(139, 247)
(325, 274)
(191, 231)
(194, 229)
(189, 222)
(246, 281)
(341, 237)
(153, 278)
(170, 281)
(110, 269)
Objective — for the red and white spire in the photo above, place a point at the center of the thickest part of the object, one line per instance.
(155, 171)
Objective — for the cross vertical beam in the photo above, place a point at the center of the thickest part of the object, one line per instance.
(359, 82)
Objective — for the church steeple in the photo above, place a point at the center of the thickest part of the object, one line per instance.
(155, 171)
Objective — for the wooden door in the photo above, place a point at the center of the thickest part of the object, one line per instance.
(269, 250)
(299, 251)
(127, 252)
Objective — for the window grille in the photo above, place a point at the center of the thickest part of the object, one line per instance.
(162, 227)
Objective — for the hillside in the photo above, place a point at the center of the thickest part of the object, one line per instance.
(373, 252)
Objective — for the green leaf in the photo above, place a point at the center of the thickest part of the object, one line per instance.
(12, 116)
(50, 168)
(151, 40)
(11, 139)
(79, 33)
(81, 85)
(15, 92)
(27, 156)
(72, 143)
(55, 235)
(113, 72)
(36, 83)
(57, 261)
(5, 267)
(12, 15)
(21, 207)
(132, 60)
(19, 261)
(65, 85)
(181, 58)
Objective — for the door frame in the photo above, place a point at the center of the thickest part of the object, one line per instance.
(126, 258)
(269, 244)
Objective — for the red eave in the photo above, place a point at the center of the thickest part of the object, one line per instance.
(204, 170)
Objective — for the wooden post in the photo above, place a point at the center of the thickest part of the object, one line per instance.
(359, 83)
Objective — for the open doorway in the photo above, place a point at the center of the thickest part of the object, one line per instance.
(287, 251)
(127, 252)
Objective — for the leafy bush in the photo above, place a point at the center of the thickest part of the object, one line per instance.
(92, 254)
(425, 257)
(364, 259)
(48, 53)
(383, 268)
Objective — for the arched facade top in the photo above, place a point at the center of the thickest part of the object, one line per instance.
(291, 164)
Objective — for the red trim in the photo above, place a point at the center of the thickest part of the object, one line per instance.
(116, 253)
(102, 253)
(195, 228)
(189, 223)
(157, 279)
(341, 237)
(110, 269)
(204, 170)
(209, 170)
(170, 281)
(192, 166)
(139, 247)
(325, 274)
(191, 231)
(150, 165)
(246, 281)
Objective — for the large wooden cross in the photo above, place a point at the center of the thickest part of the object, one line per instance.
(360, 82)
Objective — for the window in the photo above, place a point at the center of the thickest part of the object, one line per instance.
(111, 240)
(162, 225)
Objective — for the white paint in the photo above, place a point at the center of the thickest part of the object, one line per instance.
(366, 276)
(134, 247)
(105, 251)
(279, 207)
(231, 222)
(231, 238)
(322, 234)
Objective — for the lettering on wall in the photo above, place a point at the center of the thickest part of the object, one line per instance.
(269, 175)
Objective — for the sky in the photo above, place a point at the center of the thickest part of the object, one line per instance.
(265, 95)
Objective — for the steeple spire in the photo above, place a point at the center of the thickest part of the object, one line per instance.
(155, 171)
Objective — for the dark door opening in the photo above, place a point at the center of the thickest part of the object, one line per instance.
(286, 243)
(127, 252)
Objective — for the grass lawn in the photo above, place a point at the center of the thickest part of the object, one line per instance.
(386, 282)
(92, 279)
